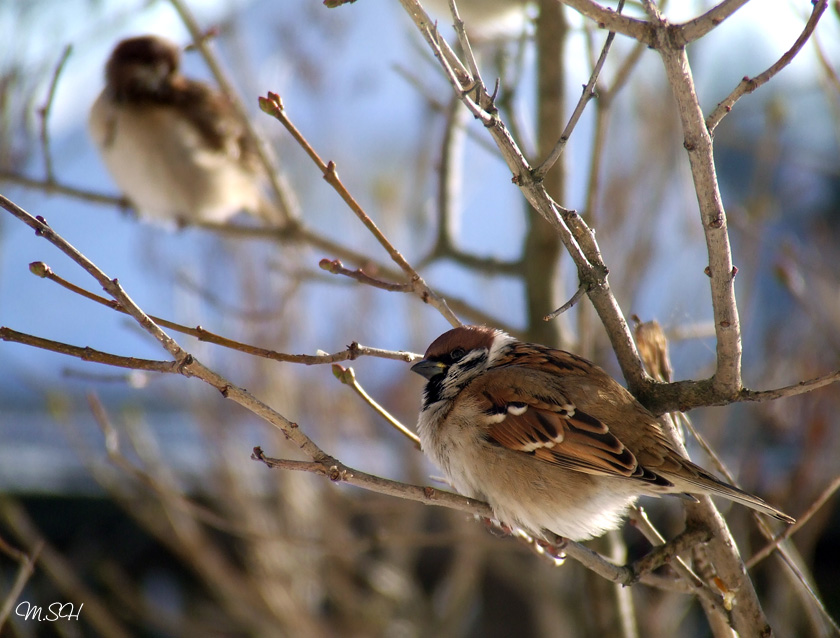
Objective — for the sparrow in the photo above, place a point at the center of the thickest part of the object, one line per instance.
(176, 147)
(548, 439)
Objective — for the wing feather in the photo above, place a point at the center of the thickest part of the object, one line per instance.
(550, 427)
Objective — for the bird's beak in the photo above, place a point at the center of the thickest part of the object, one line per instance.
(429, 369)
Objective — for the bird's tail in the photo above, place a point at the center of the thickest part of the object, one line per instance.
(703, 482)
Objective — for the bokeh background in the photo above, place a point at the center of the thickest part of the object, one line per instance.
(181, 534)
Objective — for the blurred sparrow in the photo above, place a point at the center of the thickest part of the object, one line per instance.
(547, 438)
(176, 147)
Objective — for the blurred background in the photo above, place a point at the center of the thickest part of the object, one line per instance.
(178, 533)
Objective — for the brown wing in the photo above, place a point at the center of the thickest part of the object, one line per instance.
(215, 118)
(550, 427)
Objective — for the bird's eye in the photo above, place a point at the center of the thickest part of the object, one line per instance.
(457, 353)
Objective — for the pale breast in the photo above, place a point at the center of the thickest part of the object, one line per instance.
(161, 163)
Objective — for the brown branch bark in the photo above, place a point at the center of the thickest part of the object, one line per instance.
(698, 143)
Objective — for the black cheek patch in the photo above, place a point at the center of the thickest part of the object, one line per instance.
(434, 389)
(471, 363)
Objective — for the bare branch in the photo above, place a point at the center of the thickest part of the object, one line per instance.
(353, 351)
(574, 233)
(653, 11)
(790, 530)
(426, 25)
(272, 105)
(347, 376)
(88, 354)
(791, 390)
(186, 363)
(335, 267)
(466, 47)
(668, 553)
(701, 25)
(51, 187)
(44, 113)
(340, 473)
(588, 94)
(579, 293)
(698, 143)
(748, 85)
(112, 286)
(607, 18)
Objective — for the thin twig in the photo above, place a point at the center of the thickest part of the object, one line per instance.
(347, 376)
(801, 520)
(714, 17)
(638, 517)
(467, 51)
(51, 187)
(668, 554)
(425, 24)
(652, 10)
(187, 364)
(579, 293)
(463, 85)
(88, 354)
(353, 351)
(340, 473)
(588, 93)
(567, 223)
(46, 109)
(335, 267)
(748, 85)
(791, 390)
(272, 105)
